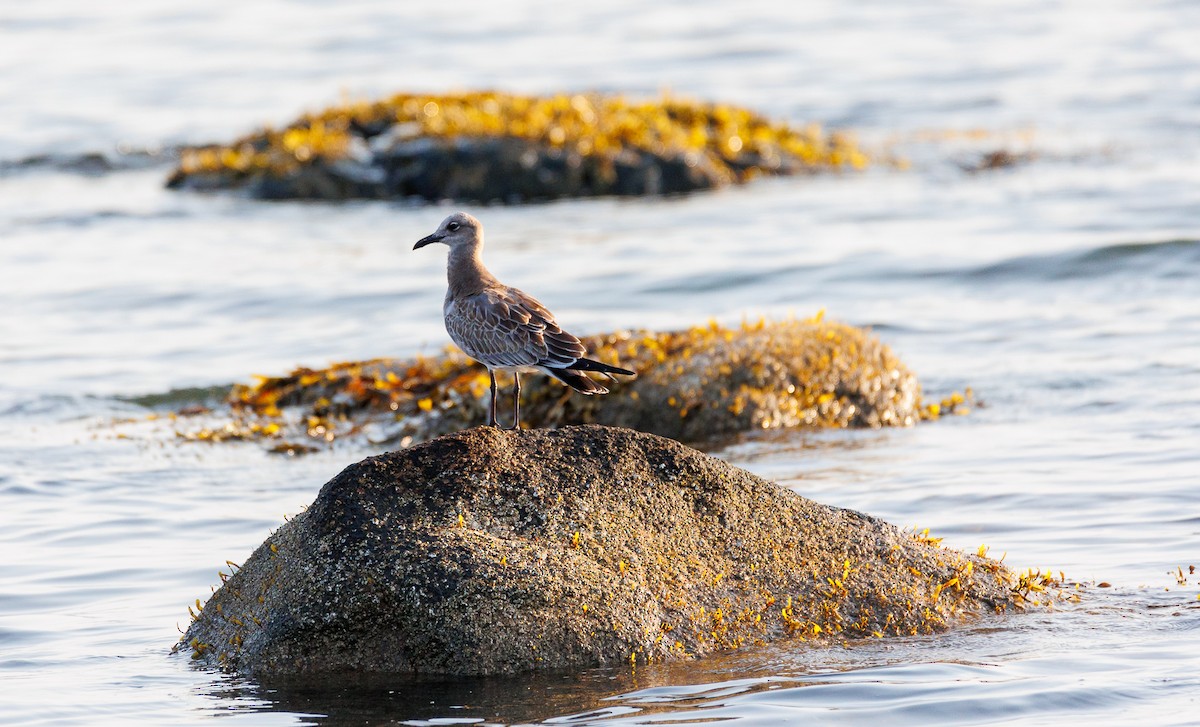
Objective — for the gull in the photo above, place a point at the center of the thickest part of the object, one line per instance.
(503, 328)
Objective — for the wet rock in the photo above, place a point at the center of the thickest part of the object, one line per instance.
(491, 147)
(998, 159)
(695, 385)
(488, 552)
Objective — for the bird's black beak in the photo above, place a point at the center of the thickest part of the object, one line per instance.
(428, 240)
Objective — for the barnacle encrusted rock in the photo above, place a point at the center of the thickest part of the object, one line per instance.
(695, 385)
(490, 551)
(489, 146)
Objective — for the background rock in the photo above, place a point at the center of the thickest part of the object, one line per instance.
(494, 147)
(695, 385)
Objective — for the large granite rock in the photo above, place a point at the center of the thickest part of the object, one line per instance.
(489, 551)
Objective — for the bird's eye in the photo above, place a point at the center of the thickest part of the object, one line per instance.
(452, 226)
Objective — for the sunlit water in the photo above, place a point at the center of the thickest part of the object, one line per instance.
(1065, 291)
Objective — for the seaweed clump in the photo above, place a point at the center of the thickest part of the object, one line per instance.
(490, 146)
(696, 385)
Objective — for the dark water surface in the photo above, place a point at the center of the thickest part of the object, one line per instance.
(1065, 291)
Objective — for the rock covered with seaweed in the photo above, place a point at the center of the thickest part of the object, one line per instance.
(489, 552)
(695, 385)
(490, 146)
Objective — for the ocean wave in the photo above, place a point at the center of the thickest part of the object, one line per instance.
(91, 163)
(1179, 258)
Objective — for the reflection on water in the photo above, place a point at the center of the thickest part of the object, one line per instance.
(980, 674)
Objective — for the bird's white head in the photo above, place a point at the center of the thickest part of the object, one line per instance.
(459, 230)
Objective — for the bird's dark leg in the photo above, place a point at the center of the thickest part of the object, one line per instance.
(516, 400)
(492, 409)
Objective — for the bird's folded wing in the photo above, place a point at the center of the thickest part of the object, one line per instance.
(506, 327)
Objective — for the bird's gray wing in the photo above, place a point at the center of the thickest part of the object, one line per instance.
(506, 327)
(562, 349)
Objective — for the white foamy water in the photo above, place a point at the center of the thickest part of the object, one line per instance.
(1064, 291)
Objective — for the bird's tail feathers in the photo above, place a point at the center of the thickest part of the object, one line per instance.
(587, 364)
(577, 381)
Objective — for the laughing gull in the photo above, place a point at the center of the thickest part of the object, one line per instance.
(503, 328)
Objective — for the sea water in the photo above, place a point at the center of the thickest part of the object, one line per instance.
(1064, 290)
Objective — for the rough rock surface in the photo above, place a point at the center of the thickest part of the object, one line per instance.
(489, 552)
